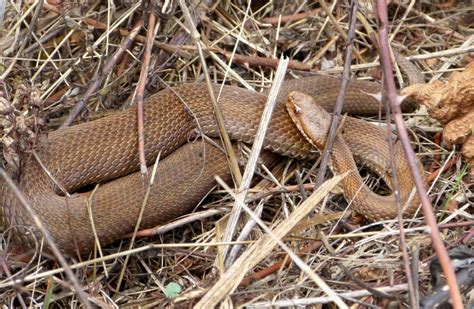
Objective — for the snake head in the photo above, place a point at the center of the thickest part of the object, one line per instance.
(311, 119)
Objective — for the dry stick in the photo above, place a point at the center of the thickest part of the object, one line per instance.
(414, 77)
(403, 135)
(67, 285)
(53, 33)
(2, 12)
(98, 246)
(219, 117)
(256, 195)
(141, 90)
(337, 112)
(161, 229)
(248, 227)
(415, 262)
(349, 274)
(467, 43)
(109, 65)
(340, 99)
(294, 64)
(252, 162)
(456, 224)
(259, 194)
(463, 49)
(31, 212)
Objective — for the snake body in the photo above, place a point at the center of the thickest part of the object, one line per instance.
(105, 151)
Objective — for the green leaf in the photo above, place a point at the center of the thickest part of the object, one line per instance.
(172, 290)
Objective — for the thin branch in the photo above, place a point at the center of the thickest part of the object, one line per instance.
(140, 92)
(403, 135)
(340, 99)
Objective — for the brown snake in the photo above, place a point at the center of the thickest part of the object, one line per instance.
(105, 149)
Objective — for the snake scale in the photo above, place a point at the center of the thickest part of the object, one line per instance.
(105, 151)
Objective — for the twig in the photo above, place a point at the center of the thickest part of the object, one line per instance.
(349, 274)
(90, 213)
(177, 223)
(403, 135)
(172, 48)
(2, 12)
(31, 212)
(3, 265)
(259, 194)
(141, 90)
(396, 191)
(51, 34)
(449, 62)
(109, 65)
(415, 262)
(340, 99)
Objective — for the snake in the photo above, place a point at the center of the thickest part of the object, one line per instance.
(102, 155)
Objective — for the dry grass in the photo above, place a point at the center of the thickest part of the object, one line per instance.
(45, 72)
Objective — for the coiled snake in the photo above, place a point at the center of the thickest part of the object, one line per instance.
(106, 149)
